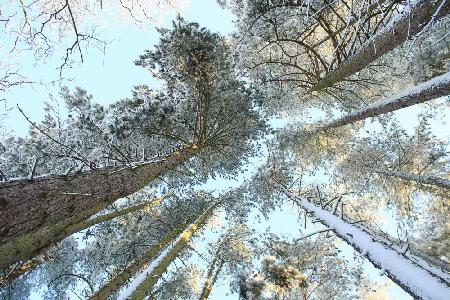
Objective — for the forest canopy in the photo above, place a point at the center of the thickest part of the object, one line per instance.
(301, 155)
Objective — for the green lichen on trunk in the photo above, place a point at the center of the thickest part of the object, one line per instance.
(120, 279)
(147, 285)
(31, 245)
(33, 205)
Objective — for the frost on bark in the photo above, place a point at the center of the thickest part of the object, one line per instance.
(150, 276)
(31, 245)
(432, 89)
(27, 206)
(423, 179)
(411, 21)
(420, 279)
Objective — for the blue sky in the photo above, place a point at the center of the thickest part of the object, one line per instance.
(111, 75)
(108, 76)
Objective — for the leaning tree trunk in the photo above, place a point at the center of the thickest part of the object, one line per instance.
(432, 89)
(352, 22)
(31, 245)
(411, 21)
(26, 206)
(118, 281)
(423, 179)
(419, 279)
(145, 281)
(213, 273)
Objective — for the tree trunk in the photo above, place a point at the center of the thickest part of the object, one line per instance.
(26, 206)
(31, 245)
(423, 179)
(432, 89)
(145, 281)
(118, 281)
(421, 281)
(352, 22)
(411, 21)
(211, 278)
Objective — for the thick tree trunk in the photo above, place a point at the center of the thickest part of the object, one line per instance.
(411, 21)
(31, 245)
(432, 89)
(27, 206)
(213, 272)
(417, 278)
(144, 282)
(423, 179)
(117, 282)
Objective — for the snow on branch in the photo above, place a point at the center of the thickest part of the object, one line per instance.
(413, 278)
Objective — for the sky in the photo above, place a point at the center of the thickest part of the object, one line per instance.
(111, 75)
(108, 76)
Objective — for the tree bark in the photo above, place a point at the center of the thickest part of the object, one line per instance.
(31, 245)
(409, 22)
(211, 278)
(27, 206)
(429, 90)
(118, 281)
(149, 277)
(421, 281)
(423, 179)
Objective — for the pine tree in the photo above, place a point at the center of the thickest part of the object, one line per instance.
(144, 283)
(432, 89)
(203, 107)
(429, 286)
(415, 18)
(32, 245)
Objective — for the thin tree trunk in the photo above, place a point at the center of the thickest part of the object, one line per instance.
(18, 271)
(413, 277)
(211, 277)
(118, 281)
(411, 21)
(423, 179)
(144, 283)
(31, 245)
(26, 206)
(432, 89)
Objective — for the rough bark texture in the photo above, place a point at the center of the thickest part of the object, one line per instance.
(118, 281)
(211, 278)
(410, 23)
(419, 282)
(424, 179)
(27, 206)
(31, 245)
(152, 278)
(432, 89)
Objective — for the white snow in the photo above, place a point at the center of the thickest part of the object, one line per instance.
(400, 97)
(76, 194)
(417, 280)
(405, 13)
(135, 165)
(430, 84)
(130, 288)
